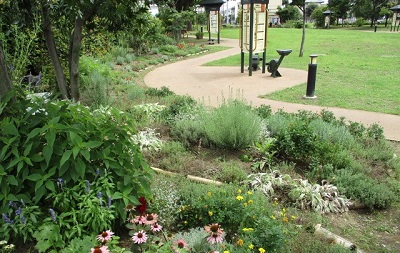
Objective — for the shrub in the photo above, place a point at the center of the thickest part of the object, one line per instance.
(47, 141)
(365, 189)
(233, 125)
(360, 22)
(188, 128)
(94, 90)
(232, 172)
(226, 205)
(162, 92)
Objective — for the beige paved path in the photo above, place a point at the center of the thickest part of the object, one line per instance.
(212, 84)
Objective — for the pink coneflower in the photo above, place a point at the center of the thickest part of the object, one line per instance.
(214, 238)
(97, 249)
(155, 227)
(150, 219)
(181, 244)
(139, 237)
(214, 229)
(105, 236)
(138, 220)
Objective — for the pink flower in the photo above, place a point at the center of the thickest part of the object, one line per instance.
(215, 238)
(150, 219)
(105, 236)
(181, 244)
(214, 229)
(97, 249)
(155, 227)
(138, 220)
(139, 237)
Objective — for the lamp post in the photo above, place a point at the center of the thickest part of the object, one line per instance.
(312, 74)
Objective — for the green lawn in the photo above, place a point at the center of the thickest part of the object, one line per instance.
(357, 69)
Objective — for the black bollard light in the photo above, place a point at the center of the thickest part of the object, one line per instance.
(312, 75)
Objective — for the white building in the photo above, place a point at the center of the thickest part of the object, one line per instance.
(230, 10)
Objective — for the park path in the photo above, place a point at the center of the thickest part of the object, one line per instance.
(212, 85)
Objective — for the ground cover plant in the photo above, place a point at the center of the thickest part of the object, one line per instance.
(347, 59)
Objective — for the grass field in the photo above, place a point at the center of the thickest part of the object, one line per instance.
(357, 69)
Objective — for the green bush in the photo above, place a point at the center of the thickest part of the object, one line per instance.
(188, 128)
(365, 189)
(360, 22)
(226, 205)
(47, 141)
(233, 125)
(232, 172)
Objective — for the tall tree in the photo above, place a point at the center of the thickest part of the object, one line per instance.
(340, 8)
(368, 9)
(5, 81)
(301, 4)
(179, 5)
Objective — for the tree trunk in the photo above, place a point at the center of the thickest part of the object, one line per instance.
(303, 37)
(51, 47)
(5, 80)
(74, 53)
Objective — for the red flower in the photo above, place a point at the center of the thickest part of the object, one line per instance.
(143, 206)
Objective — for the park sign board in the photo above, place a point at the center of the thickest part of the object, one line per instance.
(255, 2)
(213, 21)
(259, 28)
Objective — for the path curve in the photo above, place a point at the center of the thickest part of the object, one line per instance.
(212, 84)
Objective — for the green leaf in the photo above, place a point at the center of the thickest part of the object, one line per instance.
(28, 149)
(38, 185)
(75, 138)
(93, 144)
(50, 137)
(80, 168)
(64, 169)
(65, 157)
(85, 153)
(50, 185)
(12, 180)
(47, 153)
(39, 193)
(75, 151)
(117, 195)
(34, 177)
(9, 129)
(33, 133)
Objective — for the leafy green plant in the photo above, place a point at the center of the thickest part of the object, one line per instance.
(226, 205)
(46, 141)
(79, 245)
(365, 189)
(233, 125)
(231, 172)
(48, 238)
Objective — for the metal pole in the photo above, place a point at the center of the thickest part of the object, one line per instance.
(219, 26)
(312, 75)
(251, 38)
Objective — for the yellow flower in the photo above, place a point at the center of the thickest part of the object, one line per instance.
(285, 219)
(249, 192)
(251, 246)
(185, 222)
(210, 213)
(240, 242)
(239, 191)
(247, 229)
(239, 198)
(209, 194)
(245, 204)
(226, 251)
(293, 217)
(273, 217)
(250, 201)
(261, 250)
